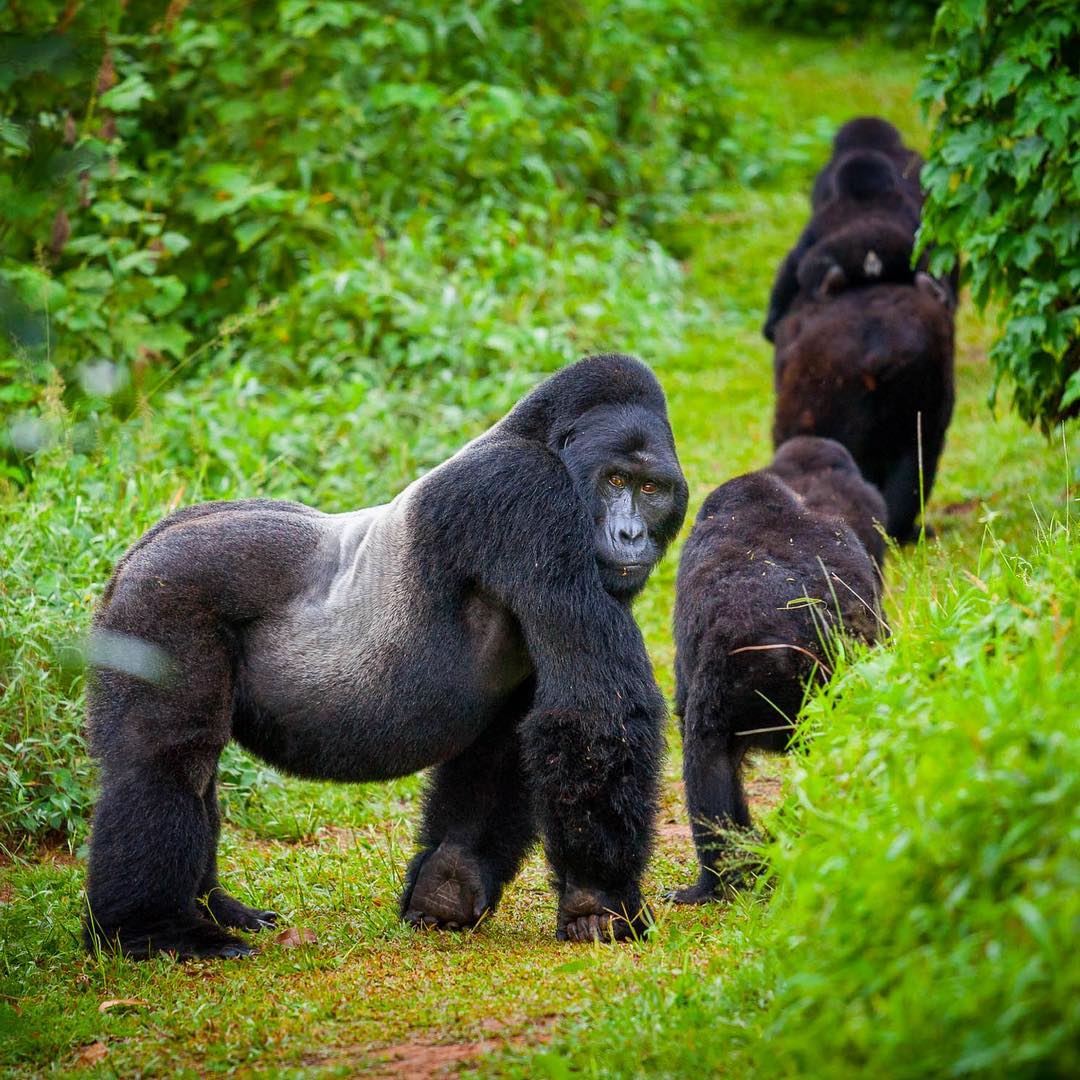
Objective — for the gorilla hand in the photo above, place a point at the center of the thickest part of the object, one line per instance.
(449, 891)
(590, 915)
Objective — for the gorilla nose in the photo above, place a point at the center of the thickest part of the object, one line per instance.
(628, 539)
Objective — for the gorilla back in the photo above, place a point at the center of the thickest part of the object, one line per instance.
(874, 371)
(479, 623)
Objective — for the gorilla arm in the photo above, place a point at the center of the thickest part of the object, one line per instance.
(786, 286)
(592, 740)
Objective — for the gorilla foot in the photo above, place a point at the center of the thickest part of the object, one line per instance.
(738, 875)
(449, 893)
(591, 915)
(226, 910)
(189, 939)
(693, 894)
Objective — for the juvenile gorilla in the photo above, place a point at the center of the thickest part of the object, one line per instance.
(878, 135)
(867, 205)
(874, 371)
(479, 623)
(766, 577)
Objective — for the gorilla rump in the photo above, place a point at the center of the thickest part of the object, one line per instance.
(766, 577)
(867, 205)
(873, 370)
(479, 623)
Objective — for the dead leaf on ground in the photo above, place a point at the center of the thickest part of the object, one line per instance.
(294, 936)
(115, 1003)
(92, 1054)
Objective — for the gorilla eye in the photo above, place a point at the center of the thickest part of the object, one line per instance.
(649, 488)
(615, 480)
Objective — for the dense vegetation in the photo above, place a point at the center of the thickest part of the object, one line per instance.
(1004, 184)
(318, 246)
(318, 188)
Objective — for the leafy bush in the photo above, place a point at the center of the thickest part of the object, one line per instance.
(1003, 184)
(230, 176)
(897, 19)
(926, 865)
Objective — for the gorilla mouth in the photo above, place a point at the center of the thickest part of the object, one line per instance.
(626, 569)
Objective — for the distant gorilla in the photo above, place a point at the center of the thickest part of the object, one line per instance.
(479, 623)
(878, 135)
(867, 207)
(766, 577)
(874, 371)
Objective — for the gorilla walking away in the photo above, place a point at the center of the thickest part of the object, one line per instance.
(479, 623)
(773, 569)
(867, 206)
(872, 369)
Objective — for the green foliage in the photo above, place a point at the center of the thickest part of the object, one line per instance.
(897, 19)
(313, 183)
(926, 863)
(1003, 184)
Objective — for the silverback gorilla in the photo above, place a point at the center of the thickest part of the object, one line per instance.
(867, 205)
(747, 639)
(479, 623)
(872, 369)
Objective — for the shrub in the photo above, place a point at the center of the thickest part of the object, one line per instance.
(265, 170)
(897, 19)
(1004, 187)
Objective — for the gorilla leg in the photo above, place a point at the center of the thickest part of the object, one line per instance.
(224, 909)
(716, 803)
(478, 825)
(150, 846)
(158, 736)
(593, 747)
(902, 494)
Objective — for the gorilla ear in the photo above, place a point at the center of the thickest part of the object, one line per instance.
(930, 286)
(833, 282)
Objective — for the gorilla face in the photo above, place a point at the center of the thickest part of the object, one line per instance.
(623, 463)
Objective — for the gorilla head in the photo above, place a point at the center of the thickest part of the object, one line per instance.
(867, 132)
(824, 474)
(622, 461)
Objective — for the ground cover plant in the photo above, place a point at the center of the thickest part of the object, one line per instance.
(925, 867)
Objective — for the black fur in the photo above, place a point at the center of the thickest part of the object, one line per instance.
(873, 370)
(870, 133)
(747, 642)
(867, 206)
(480, 623)
(824, 475)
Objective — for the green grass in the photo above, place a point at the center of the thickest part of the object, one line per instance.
(904, 899)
